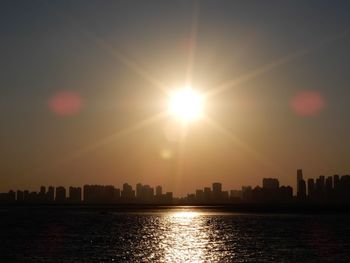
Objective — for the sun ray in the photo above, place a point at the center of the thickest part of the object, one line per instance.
(180, 157)
(255, 73)
(128, 62)
(274, 64)
(109, 139)
(234, 139)
(193, 43)
(121, 57)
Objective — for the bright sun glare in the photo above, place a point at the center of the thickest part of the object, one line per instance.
(186, 104)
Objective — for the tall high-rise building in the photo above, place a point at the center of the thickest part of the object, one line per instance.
(302, 190)
(299, 178)
(311, 188)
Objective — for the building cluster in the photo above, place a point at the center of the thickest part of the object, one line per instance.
(269, 192)
(331, 189)
(324, 189)
(90, 194)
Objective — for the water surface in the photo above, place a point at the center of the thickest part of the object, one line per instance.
(58, 234)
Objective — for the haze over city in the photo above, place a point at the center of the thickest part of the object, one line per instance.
(91, 92)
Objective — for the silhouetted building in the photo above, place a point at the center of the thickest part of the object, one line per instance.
(138, 191)
(224, 196)
(159, 191)
(116, 195)
(169, 197)
(75, 195)
(216, 193)
(258, 195)
(344, 189)
(336, 181)
(207, 194)
(320, 189)
(60, 194)
(285, 194)
(311, 188)
(9, 197)
(247, 194)
(20, 196)
(101, 194)
(127, 194)
(302, 190)
(199, 196)
(26, 196)
(299, 178)
(329, 188)
(270, 184)
(144, 193)
(50, 195)
(236, 196)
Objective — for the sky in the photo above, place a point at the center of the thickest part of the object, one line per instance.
(82, 88)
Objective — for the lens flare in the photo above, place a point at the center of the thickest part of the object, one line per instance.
(308, 103)
(66, 103)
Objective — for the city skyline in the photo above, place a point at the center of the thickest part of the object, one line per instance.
(174, 131)
(83, 93)
(325, 189)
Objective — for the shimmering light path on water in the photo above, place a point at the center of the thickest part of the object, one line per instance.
(73, 234)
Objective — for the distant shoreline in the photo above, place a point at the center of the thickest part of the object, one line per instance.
(245, 208)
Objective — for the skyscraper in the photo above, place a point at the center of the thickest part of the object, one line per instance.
(302, 190)
(311, 188)
(299, 178)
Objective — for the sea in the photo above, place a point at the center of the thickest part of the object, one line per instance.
(172, 234)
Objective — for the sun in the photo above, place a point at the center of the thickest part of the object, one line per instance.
(186, 104)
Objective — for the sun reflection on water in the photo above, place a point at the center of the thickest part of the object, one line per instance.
(185, 238)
